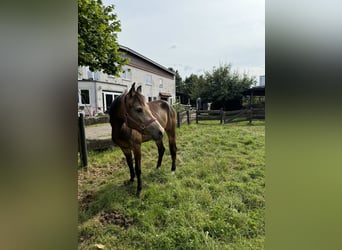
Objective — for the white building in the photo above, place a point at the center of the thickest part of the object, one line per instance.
(97, 90)
(262, 80)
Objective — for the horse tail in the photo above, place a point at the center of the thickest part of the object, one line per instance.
(173, 116)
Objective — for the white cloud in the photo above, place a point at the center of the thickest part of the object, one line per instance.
(209, 32)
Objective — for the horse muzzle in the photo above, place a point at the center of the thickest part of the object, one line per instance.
(155, 130)
(156, 133)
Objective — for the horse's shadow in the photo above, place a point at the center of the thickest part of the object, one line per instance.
(106, 198)
(116, 195)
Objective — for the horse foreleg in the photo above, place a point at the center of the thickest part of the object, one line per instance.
(129, 160)
(137, 159)
(161, 150)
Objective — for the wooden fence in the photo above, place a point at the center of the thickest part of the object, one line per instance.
(220, 115)
(244, 115)
(204, 115)
(82, 146)
(186, 117)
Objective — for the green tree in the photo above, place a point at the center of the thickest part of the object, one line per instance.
(224, 87)
(97, 37)
(179, 80)
(195, 86)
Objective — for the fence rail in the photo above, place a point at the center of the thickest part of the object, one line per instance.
(209, 115)
(220, 115)
(186, 117)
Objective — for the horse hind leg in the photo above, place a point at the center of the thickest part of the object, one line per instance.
(161, 150)
(173, 150)
(172, 141)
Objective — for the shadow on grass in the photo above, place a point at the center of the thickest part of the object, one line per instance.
(106, 198)
(115, 195)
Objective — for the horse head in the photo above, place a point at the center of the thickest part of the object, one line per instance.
(138, 115)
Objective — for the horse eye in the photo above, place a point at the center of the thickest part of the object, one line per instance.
(139, 110)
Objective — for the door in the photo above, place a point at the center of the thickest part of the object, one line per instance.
(108, 102)
(108, 97)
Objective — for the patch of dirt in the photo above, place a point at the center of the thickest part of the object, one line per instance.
(101, 171)
(116, 218)
(122, 163)
(93, 177)
(86, 200)
(81, 239)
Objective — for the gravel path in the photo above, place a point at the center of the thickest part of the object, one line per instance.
(100, 131)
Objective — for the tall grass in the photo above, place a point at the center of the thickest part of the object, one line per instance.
(214, 201)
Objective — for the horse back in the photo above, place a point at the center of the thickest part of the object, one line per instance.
(164, 113)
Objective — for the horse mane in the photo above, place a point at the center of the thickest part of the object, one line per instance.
(114, 108)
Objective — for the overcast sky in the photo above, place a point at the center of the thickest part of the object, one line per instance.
(193, 36)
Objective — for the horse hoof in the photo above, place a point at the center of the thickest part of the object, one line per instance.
(138, 194)
(173, 172)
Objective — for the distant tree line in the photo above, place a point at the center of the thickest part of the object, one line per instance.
(222, 87)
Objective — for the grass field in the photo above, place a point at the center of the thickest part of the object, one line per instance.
(216, 199)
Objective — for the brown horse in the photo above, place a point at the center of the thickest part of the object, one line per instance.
(135, 121)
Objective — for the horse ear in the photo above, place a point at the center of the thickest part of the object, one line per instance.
(139, 89)
(132, 90)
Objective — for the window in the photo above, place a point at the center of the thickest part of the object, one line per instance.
(149, 99)
(90, 74)
(84, 96)
(126, 74)
(149, 79)
(96, 75)
(160, 82)
(79, 76)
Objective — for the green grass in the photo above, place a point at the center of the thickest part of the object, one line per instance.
(214, 201)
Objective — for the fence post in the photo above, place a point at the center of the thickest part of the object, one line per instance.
(188, 116)
(82, 141)
(178, 120)
(250, 118)
(197, 116)
(221, 115)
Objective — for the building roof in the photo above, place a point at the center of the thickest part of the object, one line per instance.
(126, 49)
(166, 94)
